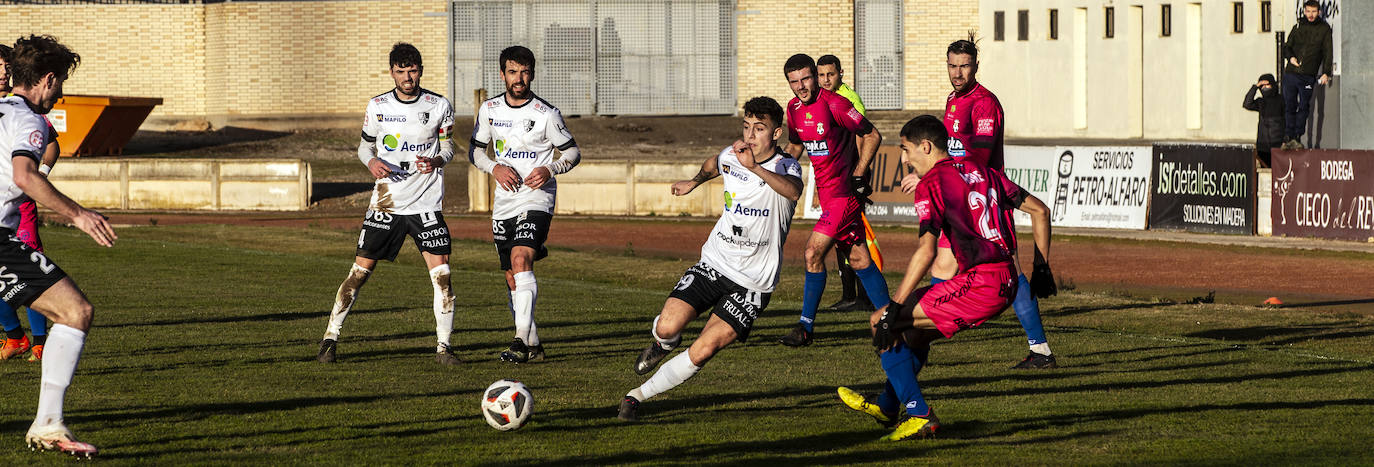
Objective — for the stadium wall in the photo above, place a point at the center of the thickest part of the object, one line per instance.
(1137, 84)
(284, 64)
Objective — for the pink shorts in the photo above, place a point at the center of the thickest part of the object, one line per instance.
(840, 220)
(28, 225)
(969, 298)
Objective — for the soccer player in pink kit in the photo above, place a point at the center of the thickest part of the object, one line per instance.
(974, 120)
(824, 126)
(966, 201)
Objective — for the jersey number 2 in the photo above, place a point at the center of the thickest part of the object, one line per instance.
(985, 207)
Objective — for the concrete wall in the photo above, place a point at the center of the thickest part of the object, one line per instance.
(1357, 77)
(195, 184)
(1137, 84)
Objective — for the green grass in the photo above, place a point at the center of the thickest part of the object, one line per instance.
(205, 336)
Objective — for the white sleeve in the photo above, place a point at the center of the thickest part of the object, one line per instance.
(481, 135)
(557, 133)
(29, 136)
(367, 147)
(788, 167)
(446, 133)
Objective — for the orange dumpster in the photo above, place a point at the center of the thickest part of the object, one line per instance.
(98, 125)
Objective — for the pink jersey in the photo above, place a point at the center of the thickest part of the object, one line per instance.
(966, 201)
(826, 128)
(974, 121)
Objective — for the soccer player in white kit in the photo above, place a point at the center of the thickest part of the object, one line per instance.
(405, 145)
(740, 260)
(40, 65)
(523, 131)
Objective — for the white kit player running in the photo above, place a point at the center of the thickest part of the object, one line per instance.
(405, 145)
(523, 131)
(740, 260)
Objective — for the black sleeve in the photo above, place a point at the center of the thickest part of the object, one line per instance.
(1250, 103)
(562, 147)
(866, 129)
(26, 153)
(369, 138)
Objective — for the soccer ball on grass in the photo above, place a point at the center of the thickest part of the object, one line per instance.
(507, 405)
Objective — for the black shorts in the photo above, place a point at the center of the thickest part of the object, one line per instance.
(703, 287)
(384, 232)
(529, 230)
(24, 272)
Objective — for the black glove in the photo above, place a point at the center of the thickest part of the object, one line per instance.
(860, 186)
(888, 329)
(1042, 279)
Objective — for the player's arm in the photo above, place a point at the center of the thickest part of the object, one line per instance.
(444, 135)
(556, 131)
(794, 141)
(367, 147)
(51, 152)
(788, 184)
(919, 265)
(37, 186)
(709, 170)
(505, 176)
(986, 118)
(869, 137)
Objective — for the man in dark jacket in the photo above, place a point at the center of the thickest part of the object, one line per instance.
(1308, 52)
(1264, 98)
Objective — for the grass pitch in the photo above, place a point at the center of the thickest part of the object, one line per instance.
(205, 337)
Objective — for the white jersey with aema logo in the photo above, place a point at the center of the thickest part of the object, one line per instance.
(746, 244)
(23, 133)
(523, 138)
(402, 132)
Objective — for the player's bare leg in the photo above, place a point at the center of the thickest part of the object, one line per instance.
(945, 265)
(715, 336)
(524, 297)
(443, 307)
(812, 289)
(667, 332)
(70, 313)
(343, 302)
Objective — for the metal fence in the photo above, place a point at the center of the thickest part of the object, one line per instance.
(878, 54)
(608, 57)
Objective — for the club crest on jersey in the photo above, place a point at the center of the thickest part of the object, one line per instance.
(424, 118)
(36, 139)
(955, 125)
(528, 124)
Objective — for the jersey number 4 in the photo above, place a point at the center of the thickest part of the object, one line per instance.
(985, 207)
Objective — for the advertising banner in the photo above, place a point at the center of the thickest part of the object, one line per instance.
(1086, 186)
(1324, 193)
(1203, 188)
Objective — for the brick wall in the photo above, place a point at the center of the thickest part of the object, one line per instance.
(929, 28)
(769, 31)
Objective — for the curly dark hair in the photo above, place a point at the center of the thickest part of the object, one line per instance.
(403, 55)
(764, 107)
(35, 56)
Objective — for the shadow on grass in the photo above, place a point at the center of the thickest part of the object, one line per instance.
(1270, 335)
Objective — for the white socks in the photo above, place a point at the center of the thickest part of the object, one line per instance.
(443, 303)
(1042, 348)
(667, 344)
(60, 355)
(671, 374)
(348, 293)
(522, 302)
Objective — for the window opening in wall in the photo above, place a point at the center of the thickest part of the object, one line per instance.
(1054, 24)
(1110, 30)
(1166, 20)
(1237, 17)
(1266, 17)
(999, 24)
(1023, 25)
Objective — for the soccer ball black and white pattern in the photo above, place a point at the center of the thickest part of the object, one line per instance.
(507, 405)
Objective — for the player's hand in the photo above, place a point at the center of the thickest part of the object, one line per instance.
(909, 183)
(96, 225)
(859, 184)
(538, 177)
(886, 331)
(744, 154)
(506, 177)
(1324, 79)
(428, 164)
(378, 168)
(1042, 279)
(683, 187)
